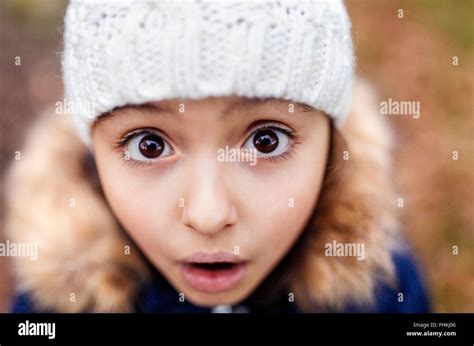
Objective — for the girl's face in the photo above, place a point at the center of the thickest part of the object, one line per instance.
(214, 191)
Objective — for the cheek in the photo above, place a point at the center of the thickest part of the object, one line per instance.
(280, 202)
(144, 204)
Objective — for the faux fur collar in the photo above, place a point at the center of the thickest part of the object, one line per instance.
(86, 263)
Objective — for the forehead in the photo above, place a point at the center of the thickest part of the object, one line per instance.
(225, 104)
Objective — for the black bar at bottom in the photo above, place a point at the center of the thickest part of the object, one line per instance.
(221, 329)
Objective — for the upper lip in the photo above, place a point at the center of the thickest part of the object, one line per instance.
(216, 257)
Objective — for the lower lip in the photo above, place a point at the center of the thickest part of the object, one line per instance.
(213, 280)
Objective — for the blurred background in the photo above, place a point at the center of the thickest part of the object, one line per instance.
(406, 49)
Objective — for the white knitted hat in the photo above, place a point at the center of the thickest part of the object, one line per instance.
(132, 52)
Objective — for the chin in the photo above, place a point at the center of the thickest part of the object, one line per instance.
(210, 300)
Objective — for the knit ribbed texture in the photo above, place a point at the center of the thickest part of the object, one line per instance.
(132, 52)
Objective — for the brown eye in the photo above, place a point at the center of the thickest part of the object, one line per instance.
(265, 141)
(151, 146)
(148, 146)
(270, 141)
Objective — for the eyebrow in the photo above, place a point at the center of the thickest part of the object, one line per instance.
(241, 104)
(147, 108)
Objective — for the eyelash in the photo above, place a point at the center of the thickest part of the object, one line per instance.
(289, 153)
(129, 135)
(136, 163)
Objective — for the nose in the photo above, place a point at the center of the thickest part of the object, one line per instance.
(208, 208)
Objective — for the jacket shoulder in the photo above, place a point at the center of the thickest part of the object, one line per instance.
(409, 294)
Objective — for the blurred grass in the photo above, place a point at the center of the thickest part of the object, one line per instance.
(452, 18)
(410, 58)
(39, 17)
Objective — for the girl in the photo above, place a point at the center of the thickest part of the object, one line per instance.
(225, 168)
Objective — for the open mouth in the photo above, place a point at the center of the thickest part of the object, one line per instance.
(213, 273)
(213, 266)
